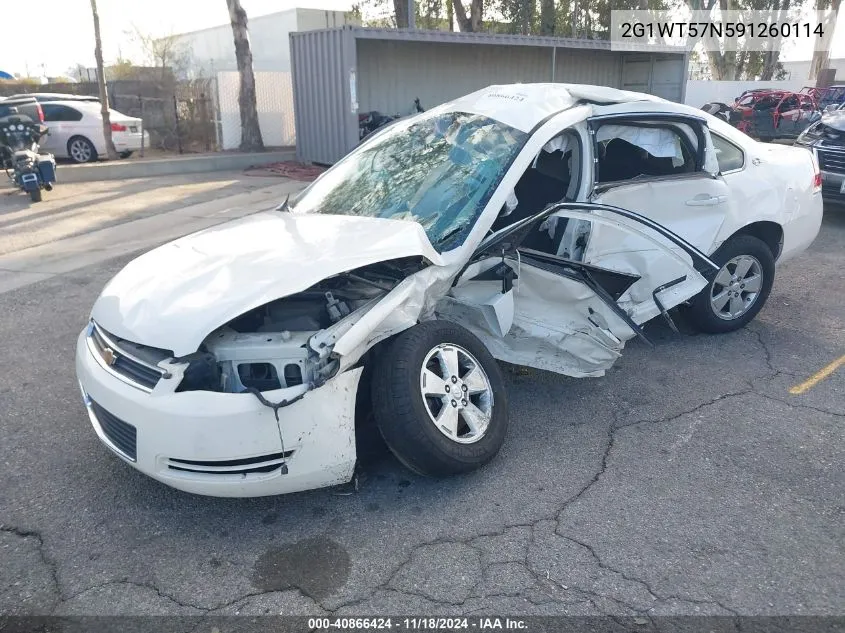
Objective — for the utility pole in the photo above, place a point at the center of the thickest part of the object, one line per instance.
(101, 80)
(412, 15)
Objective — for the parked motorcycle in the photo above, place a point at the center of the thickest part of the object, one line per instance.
(369, 122)
(25, 167)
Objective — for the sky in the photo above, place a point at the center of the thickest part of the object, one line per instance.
(65, 35)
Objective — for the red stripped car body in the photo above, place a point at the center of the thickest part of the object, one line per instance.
(773, 114)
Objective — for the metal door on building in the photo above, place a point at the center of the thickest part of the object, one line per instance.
(661, 76)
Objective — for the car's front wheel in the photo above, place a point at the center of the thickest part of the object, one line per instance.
(740, 288)
(439, 400)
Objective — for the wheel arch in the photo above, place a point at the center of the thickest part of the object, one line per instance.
(85, 138)
(368, 440)
(770, 233)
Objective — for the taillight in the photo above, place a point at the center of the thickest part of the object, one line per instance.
(40, 112)
(117, 127)
(817, 173)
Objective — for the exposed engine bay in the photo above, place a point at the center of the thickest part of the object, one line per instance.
(287, 342)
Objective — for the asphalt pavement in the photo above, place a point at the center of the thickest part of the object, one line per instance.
(689, 480)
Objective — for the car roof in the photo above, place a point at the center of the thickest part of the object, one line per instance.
(523, 106)
(20, 99)
(57, 96)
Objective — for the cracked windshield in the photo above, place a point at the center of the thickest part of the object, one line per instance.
(439, 171)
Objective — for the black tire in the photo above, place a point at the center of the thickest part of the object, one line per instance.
(35, 195)
(703, 315)
(86, 155)
(403, 417)
(125, 154)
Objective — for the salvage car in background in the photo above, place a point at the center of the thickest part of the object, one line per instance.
(539, 224)
(826, 138)
(827, 97)
(768, 115)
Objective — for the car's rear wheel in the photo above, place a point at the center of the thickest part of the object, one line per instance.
(81, 150)
(740, 288)
(126, 154)
(439, 400)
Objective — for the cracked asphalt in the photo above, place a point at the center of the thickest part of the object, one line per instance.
(687, 481)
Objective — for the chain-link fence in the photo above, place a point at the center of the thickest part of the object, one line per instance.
(183, 119)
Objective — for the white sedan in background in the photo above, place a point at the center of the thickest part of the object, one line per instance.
(539, 224)
(76, 131)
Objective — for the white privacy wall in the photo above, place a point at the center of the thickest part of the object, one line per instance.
(701, 92)
(274, 96)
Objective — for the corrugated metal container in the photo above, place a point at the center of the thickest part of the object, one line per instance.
(338, 73)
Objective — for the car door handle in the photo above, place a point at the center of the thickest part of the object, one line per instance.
(706, 201)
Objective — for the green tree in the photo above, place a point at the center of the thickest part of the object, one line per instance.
(741, 63)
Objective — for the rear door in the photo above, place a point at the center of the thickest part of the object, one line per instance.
(663, 167)
(537, 308)
(62, 122)
(787, 116)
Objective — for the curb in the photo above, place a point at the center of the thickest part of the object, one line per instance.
(119, 170)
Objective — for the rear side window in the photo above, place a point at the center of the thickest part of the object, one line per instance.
(56, 112)
(728, 155)
(627, 152)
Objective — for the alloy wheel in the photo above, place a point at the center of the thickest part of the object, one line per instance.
(736, 287)
(457, 393)
(80, 151)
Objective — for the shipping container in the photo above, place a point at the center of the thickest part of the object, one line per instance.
(341, 72)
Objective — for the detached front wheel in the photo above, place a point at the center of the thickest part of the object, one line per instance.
(439, 400)
(740, 288)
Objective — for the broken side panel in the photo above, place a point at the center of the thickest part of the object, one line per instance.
(557, 324)
(571, 317)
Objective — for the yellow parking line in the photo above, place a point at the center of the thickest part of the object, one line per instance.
(816, 378)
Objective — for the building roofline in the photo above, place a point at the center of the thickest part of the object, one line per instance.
(457, 37)
(257, 18)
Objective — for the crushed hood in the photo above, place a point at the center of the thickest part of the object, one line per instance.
(835, 119)
(173, 296)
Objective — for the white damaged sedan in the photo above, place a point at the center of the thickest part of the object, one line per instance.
(539, 224)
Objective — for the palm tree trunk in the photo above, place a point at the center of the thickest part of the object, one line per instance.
(251, 140)
(821, 56)
(464, 22)
(401, 9)
(101, 80)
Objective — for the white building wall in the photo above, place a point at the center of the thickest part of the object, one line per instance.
(213, 50)
(800, 69)
(274, 100)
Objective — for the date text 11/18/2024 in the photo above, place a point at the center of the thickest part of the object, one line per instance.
(417, 624)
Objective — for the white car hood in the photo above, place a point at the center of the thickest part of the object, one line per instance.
(175, 295)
